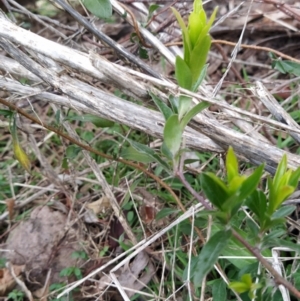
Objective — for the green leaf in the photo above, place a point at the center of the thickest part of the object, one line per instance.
(277, 233)
(146, 150)
(235, 184)
(130, 216)
(198, 58)
(164, 109)
(197, 21)
(77, 273)
(65, 164)
(209, 255)
(100, 8)
(101, 122)
(183, 74)
(235, 251)
(72, 151)
(165, 212)
(173, 134)
(257, 203)
(270, 243)
(152, 9)
(185, 35)
(166, 152)
(143, 53)
(271, 223)
(214, 189)
(97, 121)
(174, 101)
(201, 77)
(252, 227)
(218, 287)
(232, 166)
(250, 184)
(79, 255)
(284, 211)
(212, 18)
(130, 153)
(245, 285)
(246, 278)
(239, 287)
(6, 113)
(204, 33)
(280, 171)
(193, 112)
(294, 179)
(282, 194)
(184, 105)
(286, 67)
(271, 240)
(57, 116)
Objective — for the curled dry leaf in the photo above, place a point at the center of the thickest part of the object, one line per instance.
(7, 281)
(102, 205)
(138, 274)
(134, 276)
(151, 205)
(99, 206)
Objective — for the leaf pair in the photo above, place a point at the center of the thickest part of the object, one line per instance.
(177, 119)
(228, 197)
(245, 285)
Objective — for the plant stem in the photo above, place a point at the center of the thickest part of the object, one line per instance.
(187, 185)
(277, 278)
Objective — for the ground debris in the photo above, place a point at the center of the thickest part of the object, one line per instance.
(7, 281)
(132, 277)
(41, 243)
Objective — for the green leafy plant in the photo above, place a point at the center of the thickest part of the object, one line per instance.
(228, 197)
(267, 207)
(80, 255)
(16, 295)
(285, 67)
(189, 72)
(71, 271)
(103, 252)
